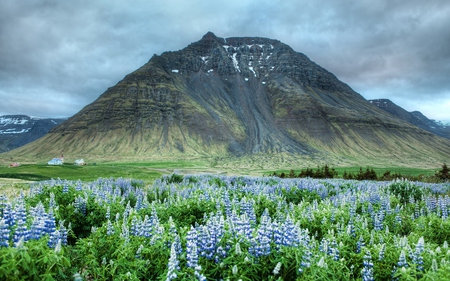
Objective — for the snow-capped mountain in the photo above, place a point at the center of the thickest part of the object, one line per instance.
(18, 130)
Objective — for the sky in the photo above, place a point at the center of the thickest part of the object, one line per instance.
(58, 56)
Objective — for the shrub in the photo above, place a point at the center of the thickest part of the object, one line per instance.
(404, 190)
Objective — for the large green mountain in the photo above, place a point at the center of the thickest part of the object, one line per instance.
(240, 100)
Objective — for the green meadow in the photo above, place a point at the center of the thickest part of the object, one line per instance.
(149, 171)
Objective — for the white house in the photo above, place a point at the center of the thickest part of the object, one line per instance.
(80, 162)
(55, 161)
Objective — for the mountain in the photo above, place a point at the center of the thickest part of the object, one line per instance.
(415, 117)
(241, 101)
(18, 130)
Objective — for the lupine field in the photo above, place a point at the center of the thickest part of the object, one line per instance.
(209, 227)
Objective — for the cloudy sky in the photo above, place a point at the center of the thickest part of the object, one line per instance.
(58, 56)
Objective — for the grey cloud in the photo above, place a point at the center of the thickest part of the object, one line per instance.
(74, 50)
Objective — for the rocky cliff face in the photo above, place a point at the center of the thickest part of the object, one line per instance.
(18, 130)
(237, 97)
(415, 118)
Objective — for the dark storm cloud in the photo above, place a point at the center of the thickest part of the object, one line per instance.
(58, 56)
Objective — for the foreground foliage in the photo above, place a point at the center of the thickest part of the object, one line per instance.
(205, 227)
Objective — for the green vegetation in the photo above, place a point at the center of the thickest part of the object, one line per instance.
(205, 227)
(38, 172)
(368, 174)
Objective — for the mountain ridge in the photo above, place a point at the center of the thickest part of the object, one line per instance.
(18, 130)
(415, 118)
(237, 97)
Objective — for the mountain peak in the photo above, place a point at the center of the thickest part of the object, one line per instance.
(209, 36)
(227, 98)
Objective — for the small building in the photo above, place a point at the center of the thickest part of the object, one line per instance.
(79, 162)
(55, 161)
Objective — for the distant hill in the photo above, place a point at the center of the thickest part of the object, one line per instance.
(245, 101)
(18, 130)
(415, 117)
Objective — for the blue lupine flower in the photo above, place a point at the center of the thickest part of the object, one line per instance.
(351, 228)
(50, 225)
(290, 233)
(334, 251)
(63, 233)
(398, 219)
(382, 251)
(109, 228)
(191, 248)
(53, 239)
(277, 233)
(37, 229)
(20, 212)
(173, 264)
(125, 234)
(8, 214)
(4, 234)
(402, 260)
(52, 204)
(80, 204)
(360, 244)
(135, 226)
(367, 271)
(417, 256)
(21, 232)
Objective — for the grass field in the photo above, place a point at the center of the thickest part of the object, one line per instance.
(149, 171)
(378, 170)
